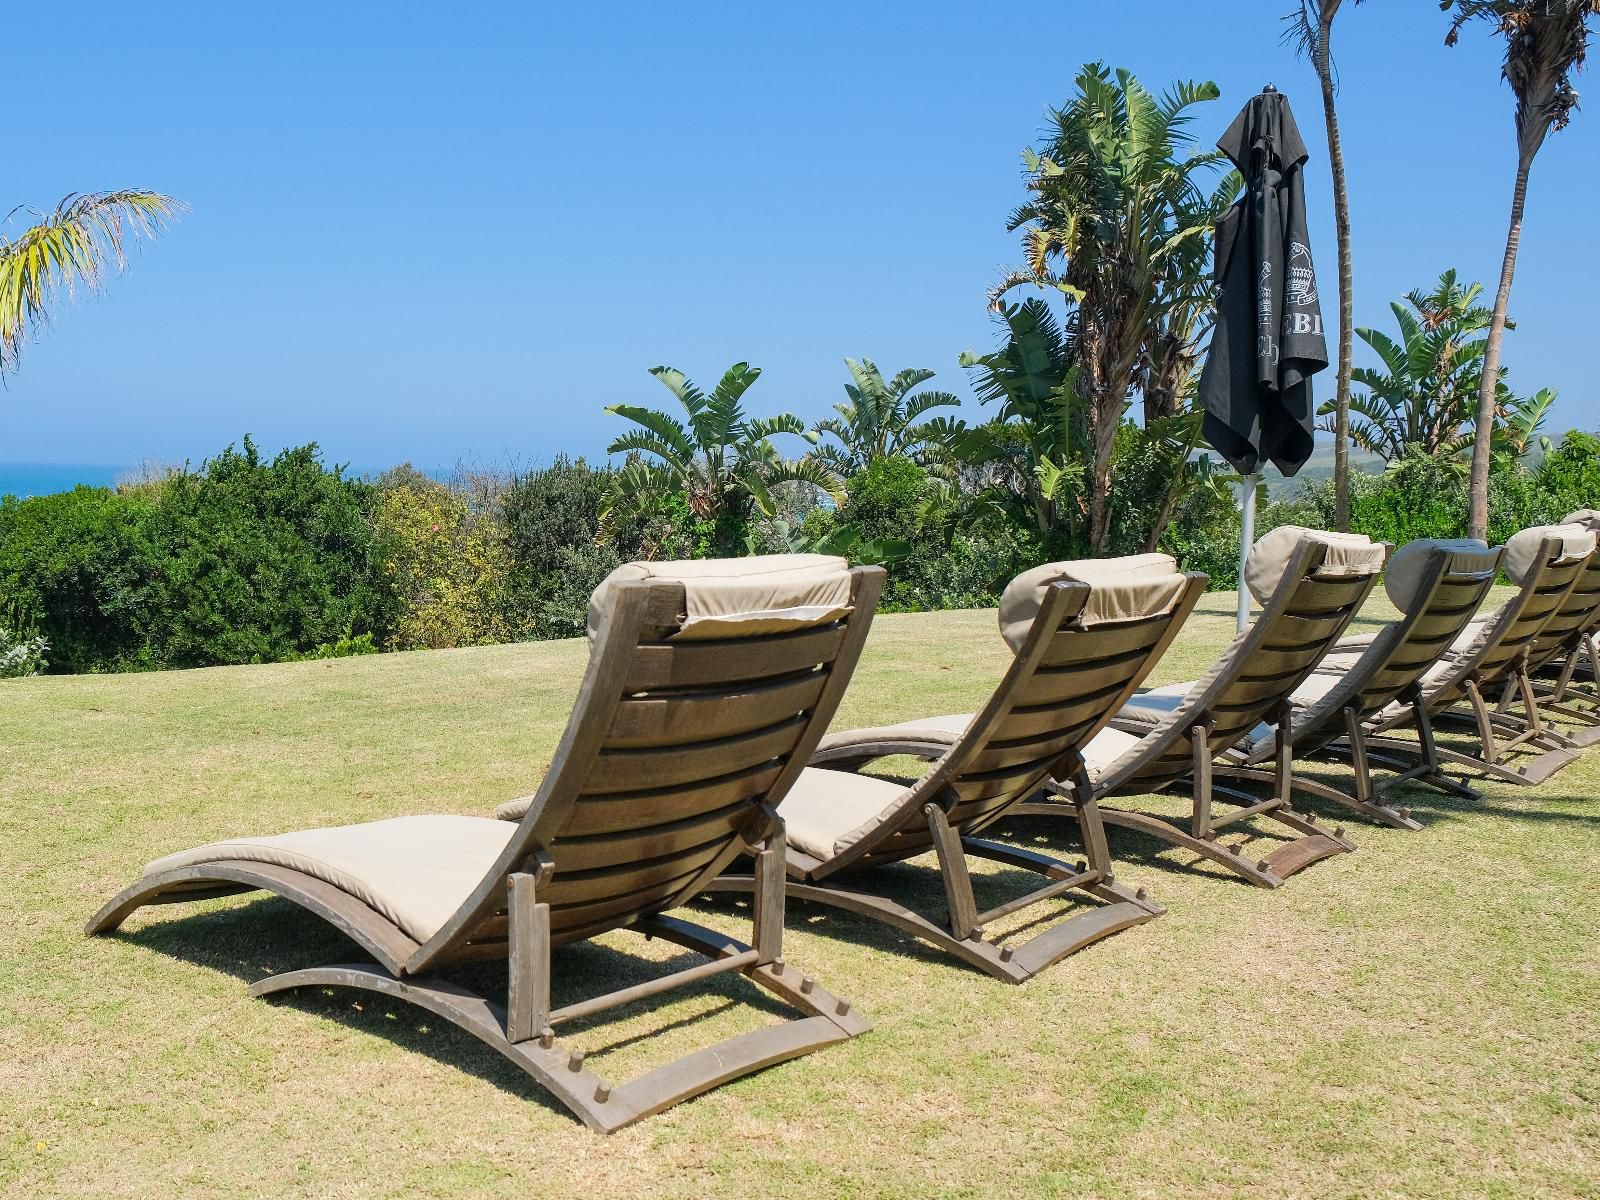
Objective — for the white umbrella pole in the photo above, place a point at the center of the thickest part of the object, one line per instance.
(1247, 538)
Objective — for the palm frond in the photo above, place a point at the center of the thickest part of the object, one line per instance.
(78, 244)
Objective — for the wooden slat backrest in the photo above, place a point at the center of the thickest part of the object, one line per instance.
(1065, 683)
(673, 763)
(1402, 653)
(1513, 629)
(1304, 617)
(1578, 614)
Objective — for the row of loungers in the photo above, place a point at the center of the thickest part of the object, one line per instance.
(695, 761)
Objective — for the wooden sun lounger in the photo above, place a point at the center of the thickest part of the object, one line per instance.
(1490, 655)
(1319, 587)
(1562, 660)
(675, 758)
(1067, 679)
(1437, 586)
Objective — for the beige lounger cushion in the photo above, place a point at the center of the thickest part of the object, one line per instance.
(1122, 589)
(1522, 549)
(1403, 578)
(1348, 554)
(734, 597)
(827, 812)
(938, 730)
(1589, 518)
(1106, 747)
(414, 871)
(1311, 692)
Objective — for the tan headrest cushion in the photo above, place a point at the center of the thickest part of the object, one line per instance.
(1522, 549)
(1589, 518)
(1121, 589)
(1403, 579)
(1348, 554)
(739, 597)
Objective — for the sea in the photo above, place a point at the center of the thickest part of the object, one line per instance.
(44, 479)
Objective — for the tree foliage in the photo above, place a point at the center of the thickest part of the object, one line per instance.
(1119, 224)
(881, 419)
(718, 461)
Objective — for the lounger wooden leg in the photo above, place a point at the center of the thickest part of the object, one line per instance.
(1200, 755)
(1480, 710)
(528, 930)
(1096, 850)
(957, 880)
(769, 881)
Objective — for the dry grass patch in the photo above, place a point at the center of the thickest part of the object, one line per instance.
(1415, 1019)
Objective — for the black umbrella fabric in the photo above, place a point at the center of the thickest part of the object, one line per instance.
(1268, 340)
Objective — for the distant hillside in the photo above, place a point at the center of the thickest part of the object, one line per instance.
(1319, 467)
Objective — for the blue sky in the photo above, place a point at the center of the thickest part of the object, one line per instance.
(428, 232)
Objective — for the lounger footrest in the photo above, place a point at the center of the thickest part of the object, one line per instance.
(1302, 852)
(1077, 932)
(1584, 738)
(1538, 769)
(715, 1065)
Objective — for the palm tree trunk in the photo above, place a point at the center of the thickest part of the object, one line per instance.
(1478, 493)
(1341, 224)
(1109, 408)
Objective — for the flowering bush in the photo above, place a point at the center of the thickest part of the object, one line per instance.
(445, 562)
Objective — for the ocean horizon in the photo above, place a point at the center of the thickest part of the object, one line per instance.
(46, 479)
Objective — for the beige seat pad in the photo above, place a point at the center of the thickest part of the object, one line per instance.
(1304, 697)
(1156, 703)
(414, 871)
(1466, 641)
(941, 730)
(1105, 748)
(827, 812)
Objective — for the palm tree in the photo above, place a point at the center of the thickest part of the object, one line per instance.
(880, 419)
(1311, 31)
(1425, 391)
(1546, 42)
(73, 246)
(1113, 200)
(720, 462)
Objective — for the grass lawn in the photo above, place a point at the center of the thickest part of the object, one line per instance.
(1415, 1019)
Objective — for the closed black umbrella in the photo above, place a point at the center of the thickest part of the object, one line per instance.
(1268, 340)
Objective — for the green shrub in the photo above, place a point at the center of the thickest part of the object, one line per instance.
(262, 560)
(81, 568)
(552, 530)
(1570, 473)
(961, 553)
(447, 565)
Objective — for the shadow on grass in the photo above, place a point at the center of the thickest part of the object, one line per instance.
(917, 885)
(269, 935)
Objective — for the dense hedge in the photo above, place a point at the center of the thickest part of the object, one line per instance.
(251, 559)
(247, 560)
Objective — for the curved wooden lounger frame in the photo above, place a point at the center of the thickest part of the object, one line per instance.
(1500, 663)
(717, 731)
(1390, 668)
(1065, 682)
(1306, 614)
